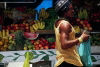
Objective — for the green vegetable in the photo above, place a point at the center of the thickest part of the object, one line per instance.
(19, 39)
(1, 57)
(26, 62)
(31, 56)
(51, 39)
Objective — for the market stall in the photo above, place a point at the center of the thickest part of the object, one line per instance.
(28, 27)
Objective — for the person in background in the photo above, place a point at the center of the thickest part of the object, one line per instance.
(66, 43)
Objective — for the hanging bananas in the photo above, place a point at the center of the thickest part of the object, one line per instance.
(43, 14)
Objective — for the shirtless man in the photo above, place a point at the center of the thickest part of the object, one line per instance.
(66, 42)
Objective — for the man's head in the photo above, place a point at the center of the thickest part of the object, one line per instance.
(64, 8)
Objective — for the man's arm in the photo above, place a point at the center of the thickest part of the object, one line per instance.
(65, 29)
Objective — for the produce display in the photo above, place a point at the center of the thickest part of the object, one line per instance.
(43, 44)
(82, 20)
(20, 42)
(21, 33)
(19, 28)
(95, 39)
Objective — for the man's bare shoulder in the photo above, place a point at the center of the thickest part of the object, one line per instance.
(65, 26)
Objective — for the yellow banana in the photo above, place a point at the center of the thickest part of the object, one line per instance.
(34, 26)
(31, 29)
(7, 32)
(0, 33)
(3, 33)
(37, 26)
(42, 25)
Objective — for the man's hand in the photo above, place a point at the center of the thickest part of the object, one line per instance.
(85, 36)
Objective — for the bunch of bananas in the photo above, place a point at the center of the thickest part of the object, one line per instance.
(43, 14)
(38, 25)
(4, 33)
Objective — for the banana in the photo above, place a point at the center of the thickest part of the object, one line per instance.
(42, 25)
(3, 33)
(37, 26)
(7, 32)
(43, 14)
(0, 33)
(34, 27)
(31, 29)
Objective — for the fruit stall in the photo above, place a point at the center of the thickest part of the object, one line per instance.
(28, 27)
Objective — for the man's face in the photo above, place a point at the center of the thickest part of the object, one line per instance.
(70, 12)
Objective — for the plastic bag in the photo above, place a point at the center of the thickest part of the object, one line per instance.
(85, 53)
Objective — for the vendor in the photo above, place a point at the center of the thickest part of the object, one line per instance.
(66, 42)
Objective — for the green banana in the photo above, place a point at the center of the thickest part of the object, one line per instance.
(43, 14)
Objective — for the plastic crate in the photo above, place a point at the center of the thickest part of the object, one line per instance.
(41, 64)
